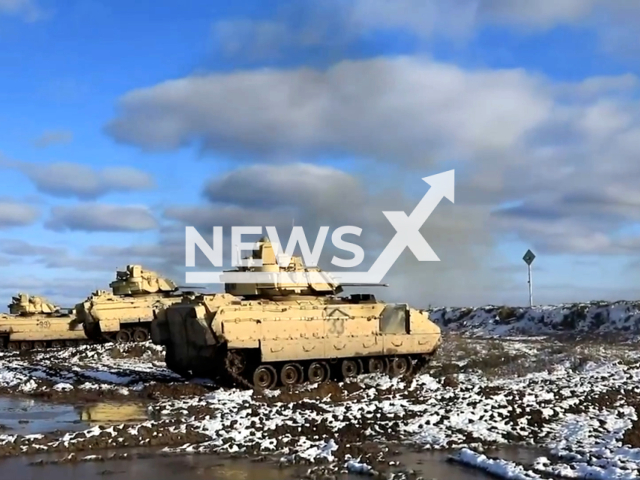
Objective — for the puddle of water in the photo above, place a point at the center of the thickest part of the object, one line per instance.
(435, 464)
(21, 416)
(193, 467)
(143, 463)
(28, 416)
(522, 455)
(432, 464)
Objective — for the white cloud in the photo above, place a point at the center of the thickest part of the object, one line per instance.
(65, 291)
(280, 192)
(524, 137)
(22, 248)
(25, 9)
(540, 14)
(15, 214)
(400, 110)
(593, 87)
(68, 179)
(53, 137)
(334, 24)
(457, 18)
(267, 187)
(262, 37)
(95, 217)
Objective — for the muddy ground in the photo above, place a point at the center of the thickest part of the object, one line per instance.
(576, 403)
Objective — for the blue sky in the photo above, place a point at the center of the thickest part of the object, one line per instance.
(68, 70)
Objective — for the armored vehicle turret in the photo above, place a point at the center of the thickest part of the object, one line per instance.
(125, 313)
(286, 325)
(35, 322)
(26, 305)
(134, 281)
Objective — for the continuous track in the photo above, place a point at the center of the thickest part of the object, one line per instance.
(238, 370)
(137, 334)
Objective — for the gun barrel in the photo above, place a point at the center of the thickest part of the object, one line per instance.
(364, 284)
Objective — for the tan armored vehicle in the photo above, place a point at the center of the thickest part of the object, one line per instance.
(281, 332)
(34, 322)
(105, 413)
(125, 313)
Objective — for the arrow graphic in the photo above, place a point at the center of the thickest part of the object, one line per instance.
(408, 228)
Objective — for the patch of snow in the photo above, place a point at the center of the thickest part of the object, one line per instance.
(63, 387)
(354, 466)
(503, 321)
(497, 467)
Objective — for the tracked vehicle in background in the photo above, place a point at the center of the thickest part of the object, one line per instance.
(36, 323)
(106, 413)
(125, 313)
(278, 332)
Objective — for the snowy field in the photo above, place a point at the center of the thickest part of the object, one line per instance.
(577, 402)
(619, 320)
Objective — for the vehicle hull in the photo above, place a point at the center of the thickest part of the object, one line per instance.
(207, 337)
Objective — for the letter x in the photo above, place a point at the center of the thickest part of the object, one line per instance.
(408, 232)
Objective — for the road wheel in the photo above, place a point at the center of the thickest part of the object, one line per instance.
(15, 346)
(123, 336)
(39, 345)
(57, 344)
(349, 368)
(399, 366)
(25, 346)
(376, 365)
(140, 335)
(291, 374)
(265, 377)
(69, 343)
(317, 372)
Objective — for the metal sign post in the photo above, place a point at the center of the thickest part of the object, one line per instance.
(528, 259)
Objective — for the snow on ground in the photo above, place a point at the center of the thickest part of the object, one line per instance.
(90, 367)
(495, 466)
(593, 318)
(578, 401)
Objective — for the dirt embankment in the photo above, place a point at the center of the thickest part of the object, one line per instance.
(599, 320)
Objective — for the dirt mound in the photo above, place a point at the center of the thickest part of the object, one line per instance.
(332, 390)
(174, 390)
(136, 350)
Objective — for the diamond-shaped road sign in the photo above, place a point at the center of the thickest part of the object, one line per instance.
(529, 257)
